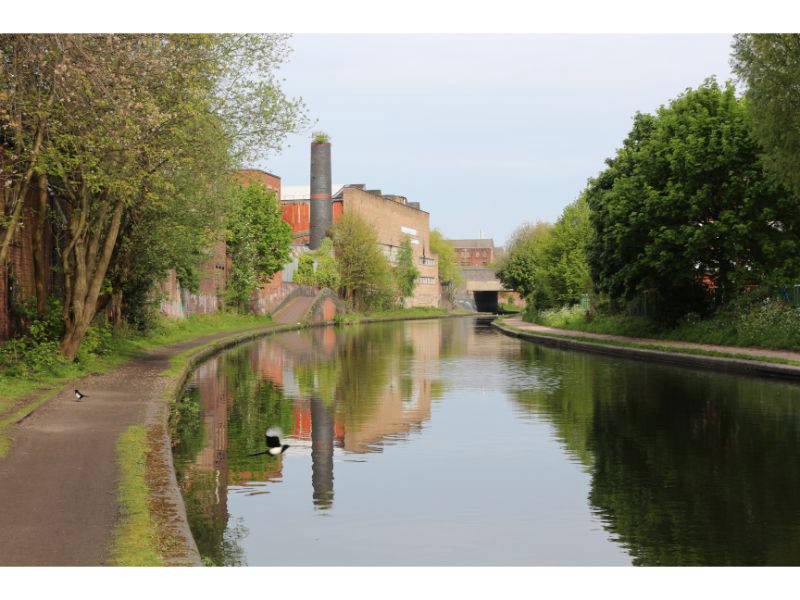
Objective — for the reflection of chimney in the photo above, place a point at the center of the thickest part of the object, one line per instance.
(321, 453)
(321, 212)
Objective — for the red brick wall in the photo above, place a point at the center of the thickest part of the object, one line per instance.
(20, 261)
(475, 257)
(269, 180)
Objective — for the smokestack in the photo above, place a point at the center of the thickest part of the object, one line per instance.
(321, 212)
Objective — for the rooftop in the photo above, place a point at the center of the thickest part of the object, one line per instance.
(481, 243)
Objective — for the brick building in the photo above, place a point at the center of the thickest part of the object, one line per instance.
(179, 302)
(474, 253)
(394, 219)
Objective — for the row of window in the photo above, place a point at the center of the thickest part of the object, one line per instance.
(424, 279)
(424, 260)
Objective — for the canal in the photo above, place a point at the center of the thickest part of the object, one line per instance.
(444, 442)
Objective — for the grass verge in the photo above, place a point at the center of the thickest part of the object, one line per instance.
(657, 347)
(135, 537)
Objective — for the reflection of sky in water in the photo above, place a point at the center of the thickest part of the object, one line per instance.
(457, 445)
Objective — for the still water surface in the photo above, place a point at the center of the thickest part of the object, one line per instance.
(443, 442)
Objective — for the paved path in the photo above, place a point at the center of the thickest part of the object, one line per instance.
(59, 480)
(518, 323)
(294, 311)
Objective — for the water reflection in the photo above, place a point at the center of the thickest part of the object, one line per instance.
(688, 467)
(519, 454)
(353, 390)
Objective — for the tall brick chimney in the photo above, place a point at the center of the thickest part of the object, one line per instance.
(321, 211)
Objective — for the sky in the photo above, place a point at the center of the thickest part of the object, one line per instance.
(485, 131)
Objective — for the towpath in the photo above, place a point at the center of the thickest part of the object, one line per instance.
(59, 480)
(518, 323)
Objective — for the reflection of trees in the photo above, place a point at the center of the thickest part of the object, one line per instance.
(366, 357)
(688, 468)
(255, 406)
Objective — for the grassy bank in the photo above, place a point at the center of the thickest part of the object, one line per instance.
(22, 373)
(135, 537)
(652, 346)
(767, 324)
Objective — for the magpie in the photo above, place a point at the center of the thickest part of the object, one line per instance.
(274, 446)
(79, 396)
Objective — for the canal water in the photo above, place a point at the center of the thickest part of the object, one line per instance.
(444, 442)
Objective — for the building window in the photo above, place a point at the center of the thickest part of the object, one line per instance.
(428, 280)
(424, 260)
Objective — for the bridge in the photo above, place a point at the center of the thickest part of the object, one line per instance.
(481, 288)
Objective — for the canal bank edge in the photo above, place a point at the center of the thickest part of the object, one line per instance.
(751, 367)
(182, 546)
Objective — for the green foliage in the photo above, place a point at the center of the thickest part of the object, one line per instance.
(684, 204)
(449, 267)
(304, 275)
(366, 276)
(320, 137)
(769, 64)
(522, 261)
(258, 240)
(325, 275)
(405, 271)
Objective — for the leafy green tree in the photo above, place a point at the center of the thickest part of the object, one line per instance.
(564, 272)
(127, 120)
(405, 271)
(259, 240)
(769, 65)
(304, 275)
(326, 275)
(521, 266)
(366, 276)
(449, 268)
(685, 206)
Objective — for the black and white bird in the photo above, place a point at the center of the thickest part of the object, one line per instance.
(274, 446)
(79, 396)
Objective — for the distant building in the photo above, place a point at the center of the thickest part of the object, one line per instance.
(394, 219)
(474, 253)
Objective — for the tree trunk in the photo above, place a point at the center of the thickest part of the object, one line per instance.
(116, 309)
(90, 266)
(40, 275)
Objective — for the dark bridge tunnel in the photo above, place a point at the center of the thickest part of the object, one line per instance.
(486, 301)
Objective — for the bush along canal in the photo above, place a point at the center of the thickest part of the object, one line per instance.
(444, 442)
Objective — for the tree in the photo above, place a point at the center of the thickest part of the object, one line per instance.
(135, 118)
(36, 75)
(520, 267)
(258, 239)
(366, 277)
(685, 206)
(304, 274)
(769, 65)
(564, 272)
(326, 275)
(449, 268)
(405, 271)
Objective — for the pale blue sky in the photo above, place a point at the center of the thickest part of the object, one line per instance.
(485, 131)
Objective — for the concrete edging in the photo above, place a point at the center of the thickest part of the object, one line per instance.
(753, 368)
